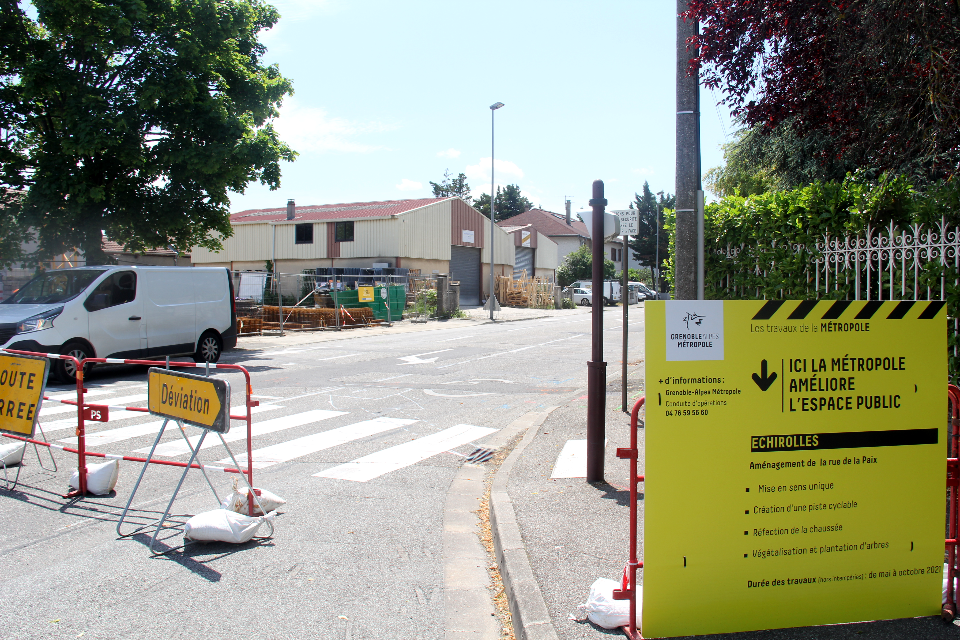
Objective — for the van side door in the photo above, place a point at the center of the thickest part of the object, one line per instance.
(115, 315)
(170, 308)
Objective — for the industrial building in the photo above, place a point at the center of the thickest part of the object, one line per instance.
(432, 235)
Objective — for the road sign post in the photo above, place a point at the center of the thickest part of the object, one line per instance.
(629, 226)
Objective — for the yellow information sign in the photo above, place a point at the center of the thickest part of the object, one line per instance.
(194, 399)
(365, 294)
(794, 463)
(22, 380)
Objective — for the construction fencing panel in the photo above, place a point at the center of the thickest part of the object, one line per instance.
(318, 299)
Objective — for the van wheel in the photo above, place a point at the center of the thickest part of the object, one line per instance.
(209, 347)
(66, 370)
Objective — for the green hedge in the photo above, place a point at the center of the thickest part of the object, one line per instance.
(779, 231)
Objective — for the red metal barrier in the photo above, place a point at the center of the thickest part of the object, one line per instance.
(949, 610)
(627, 590)
(81, 449)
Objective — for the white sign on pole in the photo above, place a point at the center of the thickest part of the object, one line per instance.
(629, 221)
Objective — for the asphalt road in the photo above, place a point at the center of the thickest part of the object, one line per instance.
(362, 434)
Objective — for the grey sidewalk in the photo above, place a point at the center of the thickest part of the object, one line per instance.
(555, 537)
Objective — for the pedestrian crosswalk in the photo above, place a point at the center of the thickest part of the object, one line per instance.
(378, 446)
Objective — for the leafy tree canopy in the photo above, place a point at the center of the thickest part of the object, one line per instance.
(871, 84)
(452, 187)
(509, 203)
(578, 265)
(135, 117)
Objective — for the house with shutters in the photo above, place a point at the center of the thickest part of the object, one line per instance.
(432, 235)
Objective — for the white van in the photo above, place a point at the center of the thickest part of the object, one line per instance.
(122, 312)
(611, 290)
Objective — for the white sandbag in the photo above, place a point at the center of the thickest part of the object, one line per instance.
(101, 478)
(603, 611)
(237, 501)
(221, 525)
(946, 583)
(11, 454)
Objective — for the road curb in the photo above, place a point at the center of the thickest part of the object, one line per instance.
(531, 618)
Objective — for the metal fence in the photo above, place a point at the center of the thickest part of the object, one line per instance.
(888, 263)
(276, 302)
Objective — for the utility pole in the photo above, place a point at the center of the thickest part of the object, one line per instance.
(688, 162)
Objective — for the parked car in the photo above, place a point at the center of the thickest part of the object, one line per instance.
(122, 312)
(582, 297)
(645, 293)
(611, 290)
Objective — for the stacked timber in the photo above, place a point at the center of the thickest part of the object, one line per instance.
(524, 292)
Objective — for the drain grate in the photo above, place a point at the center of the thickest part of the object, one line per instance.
(480, 455)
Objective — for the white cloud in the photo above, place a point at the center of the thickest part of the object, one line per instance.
(503, 168)
(449, 153)
(312, 129)
(643, 171)
(409, 185)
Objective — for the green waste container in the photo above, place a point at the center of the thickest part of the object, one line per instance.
(394, 295)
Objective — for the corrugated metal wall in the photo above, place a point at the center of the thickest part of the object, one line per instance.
(547, 252)
(425, 232)
(373, 237)
(249, 242)
(463, 217)
(504, 246)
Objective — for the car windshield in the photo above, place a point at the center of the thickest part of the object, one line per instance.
(54, 286)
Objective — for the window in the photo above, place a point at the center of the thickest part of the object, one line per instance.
(616, 254)
(303, 234)
(343, 232)
(118, 288)
(54, 286)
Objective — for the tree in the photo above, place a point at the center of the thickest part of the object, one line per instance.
(758, 160)
(578, 265)
(451, 187)
(135, 118)
(875, 82)
(650, 207)
(509, 203)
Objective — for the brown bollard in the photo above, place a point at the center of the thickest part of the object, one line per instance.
(596, 368)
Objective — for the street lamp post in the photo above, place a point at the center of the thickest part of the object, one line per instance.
(493, 210)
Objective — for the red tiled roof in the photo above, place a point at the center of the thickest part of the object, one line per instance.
(335, 211)
(547, 223)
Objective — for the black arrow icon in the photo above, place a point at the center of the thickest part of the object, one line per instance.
(762, 380)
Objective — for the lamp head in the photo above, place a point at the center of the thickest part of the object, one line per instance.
(495, 106)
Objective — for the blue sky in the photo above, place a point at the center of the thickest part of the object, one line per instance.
(390, 94)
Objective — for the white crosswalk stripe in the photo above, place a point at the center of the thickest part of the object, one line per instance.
(57, 408)
(89, 393)
(144, 428)
(286, 451)
(110, 436)
(179, 447)
(406, 454)
(572, 461)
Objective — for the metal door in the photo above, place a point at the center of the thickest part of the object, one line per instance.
(524, 260)
(465, 267)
